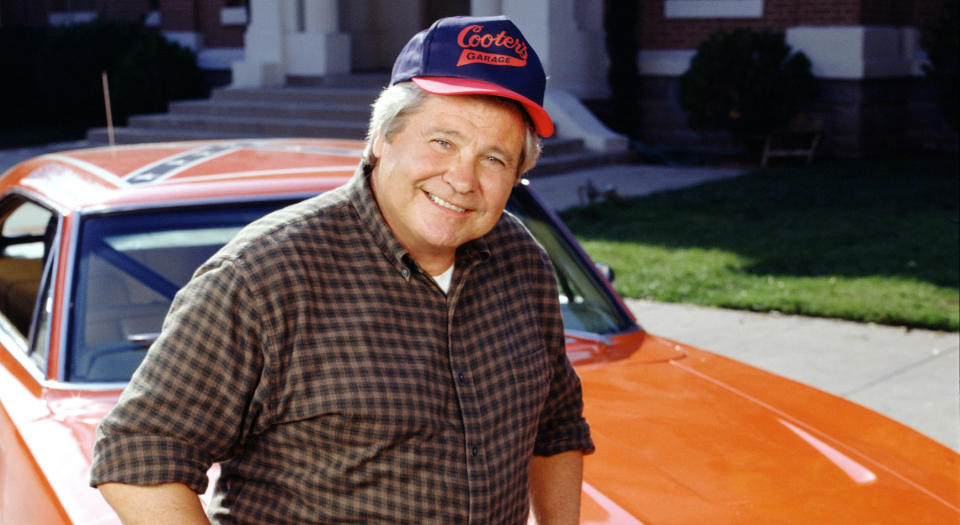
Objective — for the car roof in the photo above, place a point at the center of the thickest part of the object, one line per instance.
(145, 174)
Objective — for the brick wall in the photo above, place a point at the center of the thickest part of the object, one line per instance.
(131, 10)
(201, 16)
(216, 34)
(658, 32)
(177, 15)
(866, 116)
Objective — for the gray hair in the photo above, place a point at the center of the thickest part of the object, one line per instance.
(399, 101)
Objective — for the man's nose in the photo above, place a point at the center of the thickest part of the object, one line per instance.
(461, 174)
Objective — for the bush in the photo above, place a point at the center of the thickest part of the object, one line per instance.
(941, 42)
(56, 73)
(747, 82)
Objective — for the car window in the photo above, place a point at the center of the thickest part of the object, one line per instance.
(129, 268)
(26, 239)
(586, 304)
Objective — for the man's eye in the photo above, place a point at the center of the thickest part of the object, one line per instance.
(442, 143)
(495, 160)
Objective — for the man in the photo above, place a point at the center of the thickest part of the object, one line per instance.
(391, 351)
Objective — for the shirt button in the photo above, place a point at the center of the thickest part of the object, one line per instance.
(405, 273)
(475, 451)
(460, 377)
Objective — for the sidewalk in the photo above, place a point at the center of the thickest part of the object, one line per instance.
(569, 189)
(912, 376)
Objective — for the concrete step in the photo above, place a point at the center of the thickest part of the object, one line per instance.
(375, 80)
(560, 145)
(307, 95)
(253, 126)
(127, 135)
(293, 110)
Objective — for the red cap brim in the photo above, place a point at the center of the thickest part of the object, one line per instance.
(465, 86)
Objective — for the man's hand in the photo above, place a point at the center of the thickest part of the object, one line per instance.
(555, 488)
(169, 503)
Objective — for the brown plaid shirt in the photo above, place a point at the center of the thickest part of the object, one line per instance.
(335, 382)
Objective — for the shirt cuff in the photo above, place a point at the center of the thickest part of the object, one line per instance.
(571, 436)
(147, 460)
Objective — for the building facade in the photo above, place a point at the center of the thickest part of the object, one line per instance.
(867, 53)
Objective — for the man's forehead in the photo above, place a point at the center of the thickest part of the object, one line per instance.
(461, 102)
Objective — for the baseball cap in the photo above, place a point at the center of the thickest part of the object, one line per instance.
(466, 55)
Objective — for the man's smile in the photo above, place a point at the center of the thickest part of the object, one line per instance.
(440, 202)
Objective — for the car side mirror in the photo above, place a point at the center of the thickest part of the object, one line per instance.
(606, 271)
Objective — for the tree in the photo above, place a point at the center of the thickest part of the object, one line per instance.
(747, 82)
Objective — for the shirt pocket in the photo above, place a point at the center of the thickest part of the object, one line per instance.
(530, 367)
(531, 384)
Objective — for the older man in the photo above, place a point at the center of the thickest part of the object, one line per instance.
(391, 351)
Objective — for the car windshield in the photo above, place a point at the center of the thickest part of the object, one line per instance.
(130, 266)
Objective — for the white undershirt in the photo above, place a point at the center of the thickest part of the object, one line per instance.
(443, 280)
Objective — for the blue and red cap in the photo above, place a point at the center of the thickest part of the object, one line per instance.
(465, 55)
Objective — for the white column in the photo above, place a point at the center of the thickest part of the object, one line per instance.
(569, 38)
(263, 45)
(486, 7)
(320, 49)
(291, 37)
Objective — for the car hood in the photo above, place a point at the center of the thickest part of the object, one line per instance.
(693, 435)
(680, 434)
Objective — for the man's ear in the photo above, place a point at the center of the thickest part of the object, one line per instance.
(377, 146)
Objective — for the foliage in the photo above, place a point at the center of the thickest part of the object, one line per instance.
(942, 43)
(851, 240)
(747, 82)
(55, 74)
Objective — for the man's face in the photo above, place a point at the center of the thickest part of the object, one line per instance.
(445, 176)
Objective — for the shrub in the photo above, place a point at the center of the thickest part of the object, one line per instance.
(56, 74)
(941, 43)
(747, 82)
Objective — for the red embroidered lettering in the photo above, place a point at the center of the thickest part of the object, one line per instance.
(472, 37)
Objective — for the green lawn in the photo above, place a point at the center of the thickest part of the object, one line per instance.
(865, 240)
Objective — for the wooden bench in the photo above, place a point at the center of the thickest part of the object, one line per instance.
(799, 138)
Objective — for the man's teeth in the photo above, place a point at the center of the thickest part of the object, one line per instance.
(446, 204)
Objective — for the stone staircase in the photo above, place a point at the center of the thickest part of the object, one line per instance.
(297, 110)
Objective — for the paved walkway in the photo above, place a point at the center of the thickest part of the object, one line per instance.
(912, 376)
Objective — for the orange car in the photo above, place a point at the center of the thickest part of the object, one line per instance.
(94, 243)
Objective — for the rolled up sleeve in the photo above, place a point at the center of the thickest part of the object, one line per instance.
(189, 403)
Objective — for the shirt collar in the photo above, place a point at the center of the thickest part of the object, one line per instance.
(361, 196)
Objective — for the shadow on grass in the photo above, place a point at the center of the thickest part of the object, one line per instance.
(894, 217)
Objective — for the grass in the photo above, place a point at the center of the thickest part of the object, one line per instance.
(865, 240)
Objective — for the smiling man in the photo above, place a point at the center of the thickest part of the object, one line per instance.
(389, 352)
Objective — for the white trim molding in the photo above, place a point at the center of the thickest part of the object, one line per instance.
(713, 8)
(219, 58)
(836, 52)
(859, 52)
(192, 40)
(68, 18)
(233, 16)
(664, 62)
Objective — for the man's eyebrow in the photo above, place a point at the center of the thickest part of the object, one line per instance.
(445, 131)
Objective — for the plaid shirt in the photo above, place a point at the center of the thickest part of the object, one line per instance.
(335, 382)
